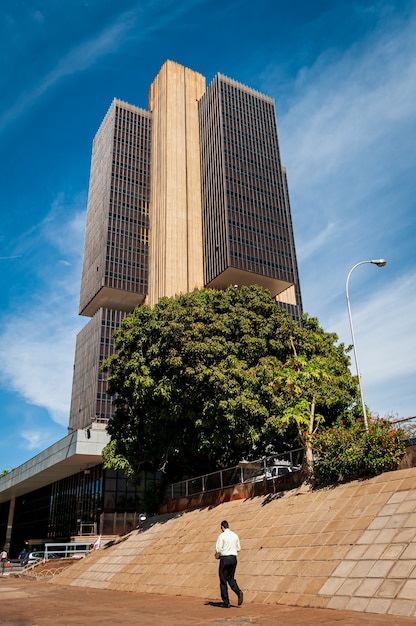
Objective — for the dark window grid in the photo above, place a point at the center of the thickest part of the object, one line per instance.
(117, 263)
(252, 222)
(141, 235)
(260, 246)
(129, 219)
(236, 253)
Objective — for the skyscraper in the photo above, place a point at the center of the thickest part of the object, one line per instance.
(248, 235)
(189, 194)
(116, 260)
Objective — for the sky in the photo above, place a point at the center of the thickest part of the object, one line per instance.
(343, 76)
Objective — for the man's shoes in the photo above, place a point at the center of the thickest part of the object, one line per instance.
(240, 598)
(226, 606)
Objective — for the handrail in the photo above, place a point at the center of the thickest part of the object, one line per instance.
(64, 550)
(245, 471)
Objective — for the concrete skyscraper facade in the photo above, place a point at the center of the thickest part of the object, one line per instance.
(175, 253)
(248, 234)
(116, 251)
(189, 194)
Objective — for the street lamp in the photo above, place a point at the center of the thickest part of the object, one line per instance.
(379, 263)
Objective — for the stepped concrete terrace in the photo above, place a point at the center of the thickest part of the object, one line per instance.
(350, 547)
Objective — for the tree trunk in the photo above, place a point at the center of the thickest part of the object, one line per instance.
(310, 468)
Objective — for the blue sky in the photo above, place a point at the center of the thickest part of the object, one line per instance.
(343, 75)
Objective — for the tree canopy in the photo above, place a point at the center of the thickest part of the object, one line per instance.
(197, 380)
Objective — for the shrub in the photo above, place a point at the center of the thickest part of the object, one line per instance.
(346, 451)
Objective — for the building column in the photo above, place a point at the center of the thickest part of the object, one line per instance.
(175, 251)
(10, 524)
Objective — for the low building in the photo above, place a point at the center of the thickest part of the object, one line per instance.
(64, 493)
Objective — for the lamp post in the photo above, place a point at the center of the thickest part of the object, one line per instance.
(379, 263)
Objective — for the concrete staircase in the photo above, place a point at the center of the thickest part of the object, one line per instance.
(350, 547)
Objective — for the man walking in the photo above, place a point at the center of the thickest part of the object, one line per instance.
(3, 559)
(228, 544)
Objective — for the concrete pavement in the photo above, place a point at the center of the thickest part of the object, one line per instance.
(34, 602)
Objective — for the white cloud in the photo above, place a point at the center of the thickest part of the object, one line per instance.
(384, 329)
(40, 358)
(66, 237)
(386, 344)
(34, 439)
(37, 342)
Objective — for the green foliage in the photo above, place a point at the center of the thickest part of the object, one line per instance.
(194, 379)
(5, 472)
(319, 380)
(115, 459)
(346, 451)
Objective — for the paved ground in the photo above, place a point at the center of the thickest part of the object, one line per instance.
(26, 602)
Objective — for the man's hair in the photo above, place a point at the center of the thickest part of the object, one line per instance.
(224, 524)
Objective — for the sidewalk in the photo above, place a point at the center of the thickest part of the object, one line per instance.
(37, 603)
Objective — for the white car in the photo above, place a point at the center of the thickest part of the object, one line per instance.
(36, 557)
(32, 558)
(279, 470)
(275, 471)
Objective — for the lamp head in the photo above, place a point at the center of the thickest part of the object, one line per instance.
(379, 262)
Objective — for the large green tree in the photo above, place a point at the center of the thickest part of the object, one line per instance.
(194, 379)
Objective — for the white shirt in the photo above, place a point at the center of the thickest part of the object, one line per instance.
(228, 543)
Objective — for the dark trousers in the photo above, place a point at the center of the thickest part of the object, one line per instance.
(227, 569)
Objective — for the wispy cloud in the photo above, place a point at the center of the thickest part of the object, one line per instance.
(37, 343)
(316, 243)
(79, 59)
(38, 361)
(347, 140)
(132, 27)
(385, 335)
(347, 128)
(33, 439)
(386, 344)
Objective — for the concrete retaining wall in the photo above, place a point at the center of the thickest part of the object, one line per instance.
(353, 547)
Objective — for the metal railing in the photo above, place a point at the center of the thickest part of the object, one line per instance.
(87, 529)
(245, 471)
(66, 550)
